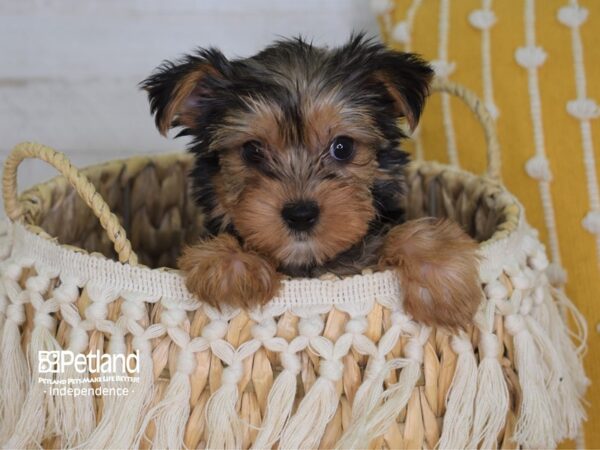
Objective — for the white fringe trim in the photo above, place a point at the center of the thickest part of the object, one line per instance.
(492, 398)
(460, 405)
(14, 373)
(547, 361)
(534, 427)
(32, 427)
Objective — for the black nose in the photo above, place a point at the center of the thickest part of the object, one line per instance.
(301, 215)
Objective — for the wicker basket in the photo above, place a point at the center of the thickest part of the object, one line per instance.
(328, 363)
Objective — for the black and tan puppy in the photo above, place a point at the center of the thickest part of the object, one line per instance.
(299, 172)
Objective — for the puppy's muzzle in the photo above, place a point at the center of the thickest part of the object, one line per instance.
(301, 215)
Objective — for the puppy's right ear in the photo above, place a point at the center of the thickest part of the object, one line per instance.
(180, 92)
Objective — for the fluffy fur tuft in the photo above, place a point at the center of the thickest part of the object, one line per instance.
(219, 269)
(438, 266)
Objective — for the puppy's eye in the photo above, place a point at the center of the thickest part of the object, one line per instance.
(342, 148)
(252, 152)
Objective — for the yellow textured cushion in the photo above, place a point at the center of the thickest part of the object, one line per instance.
(538, 64)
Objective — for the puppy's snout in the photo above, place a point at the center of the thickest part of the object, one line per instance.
(300, 215)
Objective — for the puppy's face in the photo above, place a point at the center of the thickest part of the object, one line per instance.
(297, 147)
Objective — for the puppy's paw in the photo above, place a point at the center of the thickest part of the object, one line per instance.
(439, 270)
(218, 271)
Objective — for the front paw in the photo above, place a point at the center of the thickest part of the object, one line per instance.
(218, 271)
(438, 268)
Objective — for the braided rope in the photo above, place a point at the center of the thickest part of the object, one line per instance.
(483, 116)
(86, 190)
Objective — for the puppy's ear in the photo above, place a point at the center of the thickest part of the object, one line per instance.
(180, 92)
(406, 77)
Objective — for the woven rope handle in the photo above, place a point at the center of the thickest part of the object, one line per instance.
(86, 190)
(484, 118)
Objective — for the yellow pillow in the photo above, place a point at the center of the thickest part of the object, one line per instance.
(537, 66)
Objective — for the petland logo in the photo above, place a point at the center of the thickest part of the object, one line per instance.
(58, 361)
(92, 374)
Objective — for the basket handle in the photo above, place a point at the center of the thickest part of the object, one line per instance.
(494, 169)
(86, 190)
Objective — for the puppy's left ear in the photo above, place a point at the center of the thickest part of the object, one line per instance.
(181, 93)
(406, 77)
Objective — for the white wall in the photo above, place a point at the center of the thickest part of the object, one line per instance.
(69, 68)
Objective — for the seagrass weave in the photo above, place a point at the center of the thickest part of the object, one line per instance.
(328, 363)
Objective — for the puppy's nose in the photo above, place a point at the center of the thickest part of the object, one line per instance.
(301, 215)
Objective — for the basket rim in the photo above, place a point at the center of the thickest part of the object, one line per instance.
(34, 243)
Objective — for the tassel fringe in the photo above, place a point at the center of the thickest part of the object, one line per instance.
(223, 423)
(461, 397)
(32, 427)
(279, 409)
(112, 406)
(492, 398)
(14, 373)
(547, 359)
(306, 428)
(377, 421)
(173, 413)
(139, 399)
(534, 427)
(76, 415)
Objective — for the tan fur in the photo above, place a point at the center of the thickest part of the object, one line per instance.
(262, 122)
(402, 108)
(329, 116)
(438, 268)
(322, 121)
(345, 202)
(346, 210)
(220, 272)
(178, 107)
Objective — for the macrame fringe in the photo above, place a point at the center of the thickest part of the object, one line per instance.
(567, 409)
(461, 397)
(138, 400)
(367, 396)
(306, 428)
(553, 374)
(14, 373)
(492, 398)
(568, 401)
(547, 360)
(112, 406)
(377, 421)
(540, 311)
(534, 427)
(4, 302)
(570, 409)
(561, 336)
(552, 364)
(279, 408)
(75, 415)
(370, 393)
(222, 420)
(172, 413)
(32, 427)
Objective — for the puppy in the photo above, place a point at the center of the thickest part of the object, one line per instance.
(299, 172)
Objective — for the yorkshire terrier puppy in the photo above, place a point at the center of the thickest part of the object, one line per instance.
(298, 171)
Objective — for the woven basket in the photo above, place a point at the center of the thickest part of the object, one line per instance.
(329, 363)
